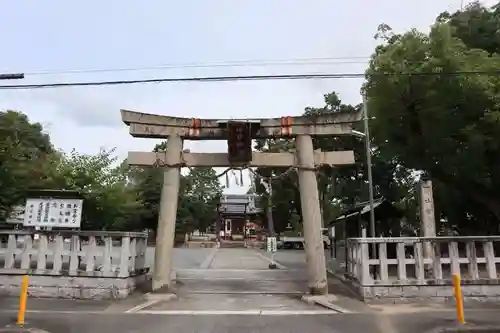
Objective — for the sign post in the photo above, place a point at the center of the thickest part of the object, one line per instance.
(272, 247)
(333, 243)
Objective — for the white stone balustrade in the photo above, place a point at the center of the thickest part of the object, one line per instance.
(473, 258)
(422, 267)
(73, 253)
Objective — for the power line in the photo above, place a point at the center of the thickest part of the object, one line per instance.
(241, 63)
(184, 79)
(239, 78)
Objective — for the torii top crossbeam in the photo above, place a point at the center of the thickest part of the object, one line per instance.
(146, 125)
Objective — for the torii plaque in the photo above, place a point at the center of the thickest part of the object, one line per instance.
(239, 134)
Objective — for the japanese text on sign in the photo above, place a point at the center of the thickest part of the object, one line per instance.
(239, 142)
(44, 212)
(272, 244)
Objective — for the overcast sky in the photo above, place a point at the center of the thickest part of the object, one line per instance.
(54, 36)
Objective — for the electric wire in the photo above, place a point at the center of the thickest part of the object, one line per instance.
(312, 76)
(240, 63)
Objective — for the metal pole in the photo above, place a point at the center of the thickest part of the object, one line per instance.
(270, 220)
(369, 170)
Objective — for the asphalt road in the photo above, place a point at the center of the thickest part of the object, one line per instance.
(340, 323)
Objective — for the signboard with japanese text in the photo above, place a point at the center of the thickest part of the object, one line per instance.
(53, 212)
(272, 244)
(239, 142)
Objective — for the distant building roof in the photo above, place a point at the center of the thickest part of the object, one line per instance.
(239, 203)
(360, 208)
(363, 208)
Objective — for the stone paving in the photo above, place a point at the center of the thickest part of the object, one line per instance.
(237, 280)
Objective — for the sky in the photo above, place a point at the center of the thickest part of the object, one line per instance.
(60, 41)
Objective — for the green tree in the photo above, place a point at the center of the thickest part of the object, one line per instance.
(438, 122)
(110, 200)
(339, 187)
(476, 26)
(332, 182)
(199, 193)
(25, 155)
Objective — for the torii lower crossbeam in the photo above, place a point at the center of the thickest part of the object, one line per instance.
(147, 159)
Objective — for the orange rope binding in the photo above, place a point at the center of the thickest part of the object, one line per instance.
(286, 126)
(194, 130)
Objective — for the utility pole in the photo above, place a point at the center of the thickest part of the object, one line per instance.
(270, 221)
(369, 170)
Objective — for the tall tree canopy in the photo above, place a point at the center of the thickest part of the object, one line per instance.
(199, 193)
(25, 152)
(435, 100)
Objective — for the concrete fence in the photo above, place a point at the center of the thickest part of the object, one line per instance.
(77, 264)
(423, 266)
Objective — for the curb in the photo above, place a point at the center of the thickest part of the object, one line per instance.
(17, 329)
(159, 297)
(324, 303)
(467, 328)
(345, 283)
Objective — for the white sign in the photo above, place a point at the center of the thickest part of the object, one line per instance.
(45, 212)
(272, 244)
(331, 232)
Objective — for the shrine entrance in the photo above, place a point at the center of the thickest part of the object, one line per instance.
(239, 135)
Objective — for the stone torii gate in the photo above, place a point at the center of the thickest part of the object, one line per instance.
(239, 134)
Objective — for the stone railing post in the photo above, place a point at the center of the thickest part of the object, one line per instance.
(364, 258)
(419, 262)
(43, 247)
(90, 255)
(125, 252)
(140, 251)
(384, 269)
(27, 251)
(472, 259)
(489, 255)
(58, 255)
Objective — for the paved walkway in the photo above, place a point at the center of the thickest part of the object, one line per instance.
(237, 281)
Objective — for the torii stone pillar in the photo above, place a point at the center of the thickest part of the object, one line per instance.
(311, 214)
(165, 233)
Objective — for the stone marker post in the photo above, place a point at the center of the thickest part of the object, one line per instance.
(427, 220)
